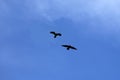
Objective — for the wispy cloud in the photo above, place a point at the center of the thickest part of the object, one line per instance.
(73, 9)
(101, 16)
(105, 11)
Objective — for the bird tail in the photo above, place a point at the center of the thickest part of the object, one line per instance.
(68, 48)
(55, 36)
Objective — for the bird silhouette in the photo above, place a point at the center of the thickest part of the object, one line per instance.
(69, 47)
(55, 34)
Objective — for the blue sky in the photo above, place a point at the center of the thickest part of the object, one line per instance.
(29, 52)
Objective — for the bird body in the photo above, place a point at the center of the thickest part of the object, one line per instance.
(55, 34)
(69, 47)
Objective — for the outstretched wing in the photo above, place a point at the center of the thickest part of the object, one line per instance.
(59, 34)
(65, 45)
(73, 48)
(52, 32)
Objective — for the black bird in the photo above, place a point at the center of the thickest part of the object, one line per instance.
(55, 34)
(69, 47)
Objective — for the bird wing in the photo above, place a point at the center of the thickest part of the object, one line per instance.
(52, 32)
(73, 48)
(65, 45)
(59, 34)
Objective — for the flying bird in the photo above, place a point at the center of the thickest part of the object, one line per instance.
(69, 47)
(55, 34)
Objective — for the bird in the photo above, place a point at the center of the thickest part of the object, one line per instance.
(69, 47)
(55, 34)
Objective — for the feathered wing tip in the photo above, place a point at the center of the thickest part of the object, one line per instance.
(59, 34)
(64, 45)
(73, 48)
(52, 32)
